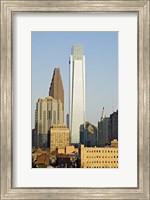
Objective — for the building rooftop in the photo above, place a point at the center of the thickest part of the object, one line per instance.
(42, 159)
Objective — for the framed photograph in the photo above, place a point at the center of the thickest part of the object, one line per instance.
(75, 100)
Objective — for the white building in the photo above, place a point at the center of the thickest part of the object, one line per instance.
(77, 92)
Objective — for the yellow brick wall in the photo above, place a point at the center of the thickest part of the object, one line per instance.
(96, 157)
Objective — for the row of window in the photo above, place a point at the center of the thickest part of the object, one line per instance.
(102, 161)
(102, 151)
(102, 156)
(103, 167)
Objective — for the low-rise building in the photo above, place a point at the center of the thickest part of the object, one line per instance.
(98, 157)
(42, 161)
(59, 137)
(71, 149)
(114, 143)
(66, 161)
(66, 150)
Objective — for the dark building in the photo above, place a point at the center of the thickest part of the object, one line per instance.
(114, 125)
(67, 161)
(34, 138)
(107, 129)
(82, 134)
(88, 135)
(56, 89)
(67, 120)
(104, 132)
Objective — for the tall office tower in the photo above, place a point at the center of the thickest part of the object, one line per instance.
(77, 92)
(48, 112)
(56, 89)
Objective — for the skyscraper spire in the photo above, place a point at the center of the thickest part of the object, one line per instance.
(102, 115)
(56, 89)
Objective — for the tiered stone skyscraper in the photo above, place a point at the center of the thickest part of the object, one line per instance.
(77, 92)
(48, 112)
(56, 89)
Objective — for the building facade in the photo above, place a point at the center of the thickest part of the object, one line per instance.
(98, 157)
(59, 137)
(107, 129)
(33, 138)
(67, 120)
(67, 150)
(48, 111)
(56, 89)
(104, 132)
(88, 135)
(77, 92)
(114, 125)
(114, 143)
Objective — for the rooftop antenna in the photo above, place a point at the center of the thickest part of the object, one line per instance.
(102, 115)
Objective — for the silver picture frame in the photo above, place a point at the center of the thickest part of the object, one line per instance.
(141, 192)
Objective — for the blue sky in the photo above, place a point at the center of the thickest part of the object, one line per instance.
(52, 49)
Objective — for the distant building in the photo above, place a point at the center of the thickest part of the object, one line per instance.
(77, 92)
(104, 130)
(98, 157)
(56, 89)
(48, 111)
(67, 120)
(34, 138)
(88, 135)
(114, 125)
(107, 129)
(59, 137)
(82, 134)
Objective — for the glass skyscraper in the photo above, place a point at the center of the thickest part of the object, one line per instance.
(77, 92)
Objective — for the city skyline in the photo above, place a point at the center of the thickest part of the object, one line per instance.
(48, 55)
